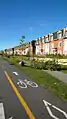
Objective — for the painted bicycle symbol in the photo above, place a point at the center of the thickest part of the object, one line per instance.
(25, 83)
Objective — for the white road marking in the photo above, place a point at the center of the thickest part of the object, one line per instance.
(15, 73)
(60, 111)
(25, 83)
(21, 84)
(31, 83)
(2, 114)
(49, 111)
(11, 118)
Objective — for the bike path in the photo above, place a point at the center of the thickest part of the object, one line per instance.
(34, 96)
(10, 101)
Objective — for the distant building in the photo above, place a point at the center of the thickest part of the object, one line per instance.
(48, 43)
(45, 44)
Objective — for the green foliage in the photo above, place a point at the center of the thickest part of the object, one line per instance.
(22, 40)
(23, 37)
(48, 65)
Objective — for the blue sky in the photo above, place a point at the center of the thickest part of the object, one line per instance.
(32, 18)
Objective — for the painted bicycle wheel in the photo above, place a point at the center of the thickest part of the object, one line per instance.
(32, 84)
(21, 84)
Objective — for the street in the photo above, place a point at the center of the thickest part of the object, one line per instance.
(24, 99)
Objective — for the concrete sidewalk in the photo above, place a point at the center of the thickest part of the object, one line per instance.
(58, 74)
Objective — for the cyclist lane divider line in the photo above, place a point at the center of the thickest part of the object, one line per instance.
(24, 104)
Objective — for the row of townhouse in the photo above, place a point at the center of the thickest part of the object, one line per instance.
(57, 40)
(45, 44)
(21, 49)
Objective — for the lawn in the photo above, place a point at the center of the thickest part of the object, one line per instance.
(44, 79)
(64, 71)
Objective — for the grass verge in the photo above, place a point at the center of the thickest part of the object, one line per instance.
(64, 71)
(43, 78)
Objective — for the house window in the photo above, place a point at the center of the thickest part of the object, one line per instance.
(60, 44)
(41, 39)
(62, 32)
(55, 35)
(48, 37)
(66, 33)
(38, 41)
(41, 50)
(59, 35)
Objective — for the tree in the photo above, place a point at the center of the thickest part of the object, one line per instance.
(22, 41)
(33, 47)
(13, 51)
(5, 51)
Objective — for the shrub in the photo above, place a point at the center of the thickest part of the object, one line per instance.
(36, 64)
(52, 65)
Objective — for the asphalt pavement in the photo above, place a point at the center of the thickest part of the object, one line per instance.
(24, 100)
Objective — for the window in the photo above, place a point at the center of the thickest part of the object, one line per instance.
(62, 32)
(48, 37)
(38, 40)
(41, 50)
(66, 33)
(41, 39)
(55, 35)
(60, 44)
